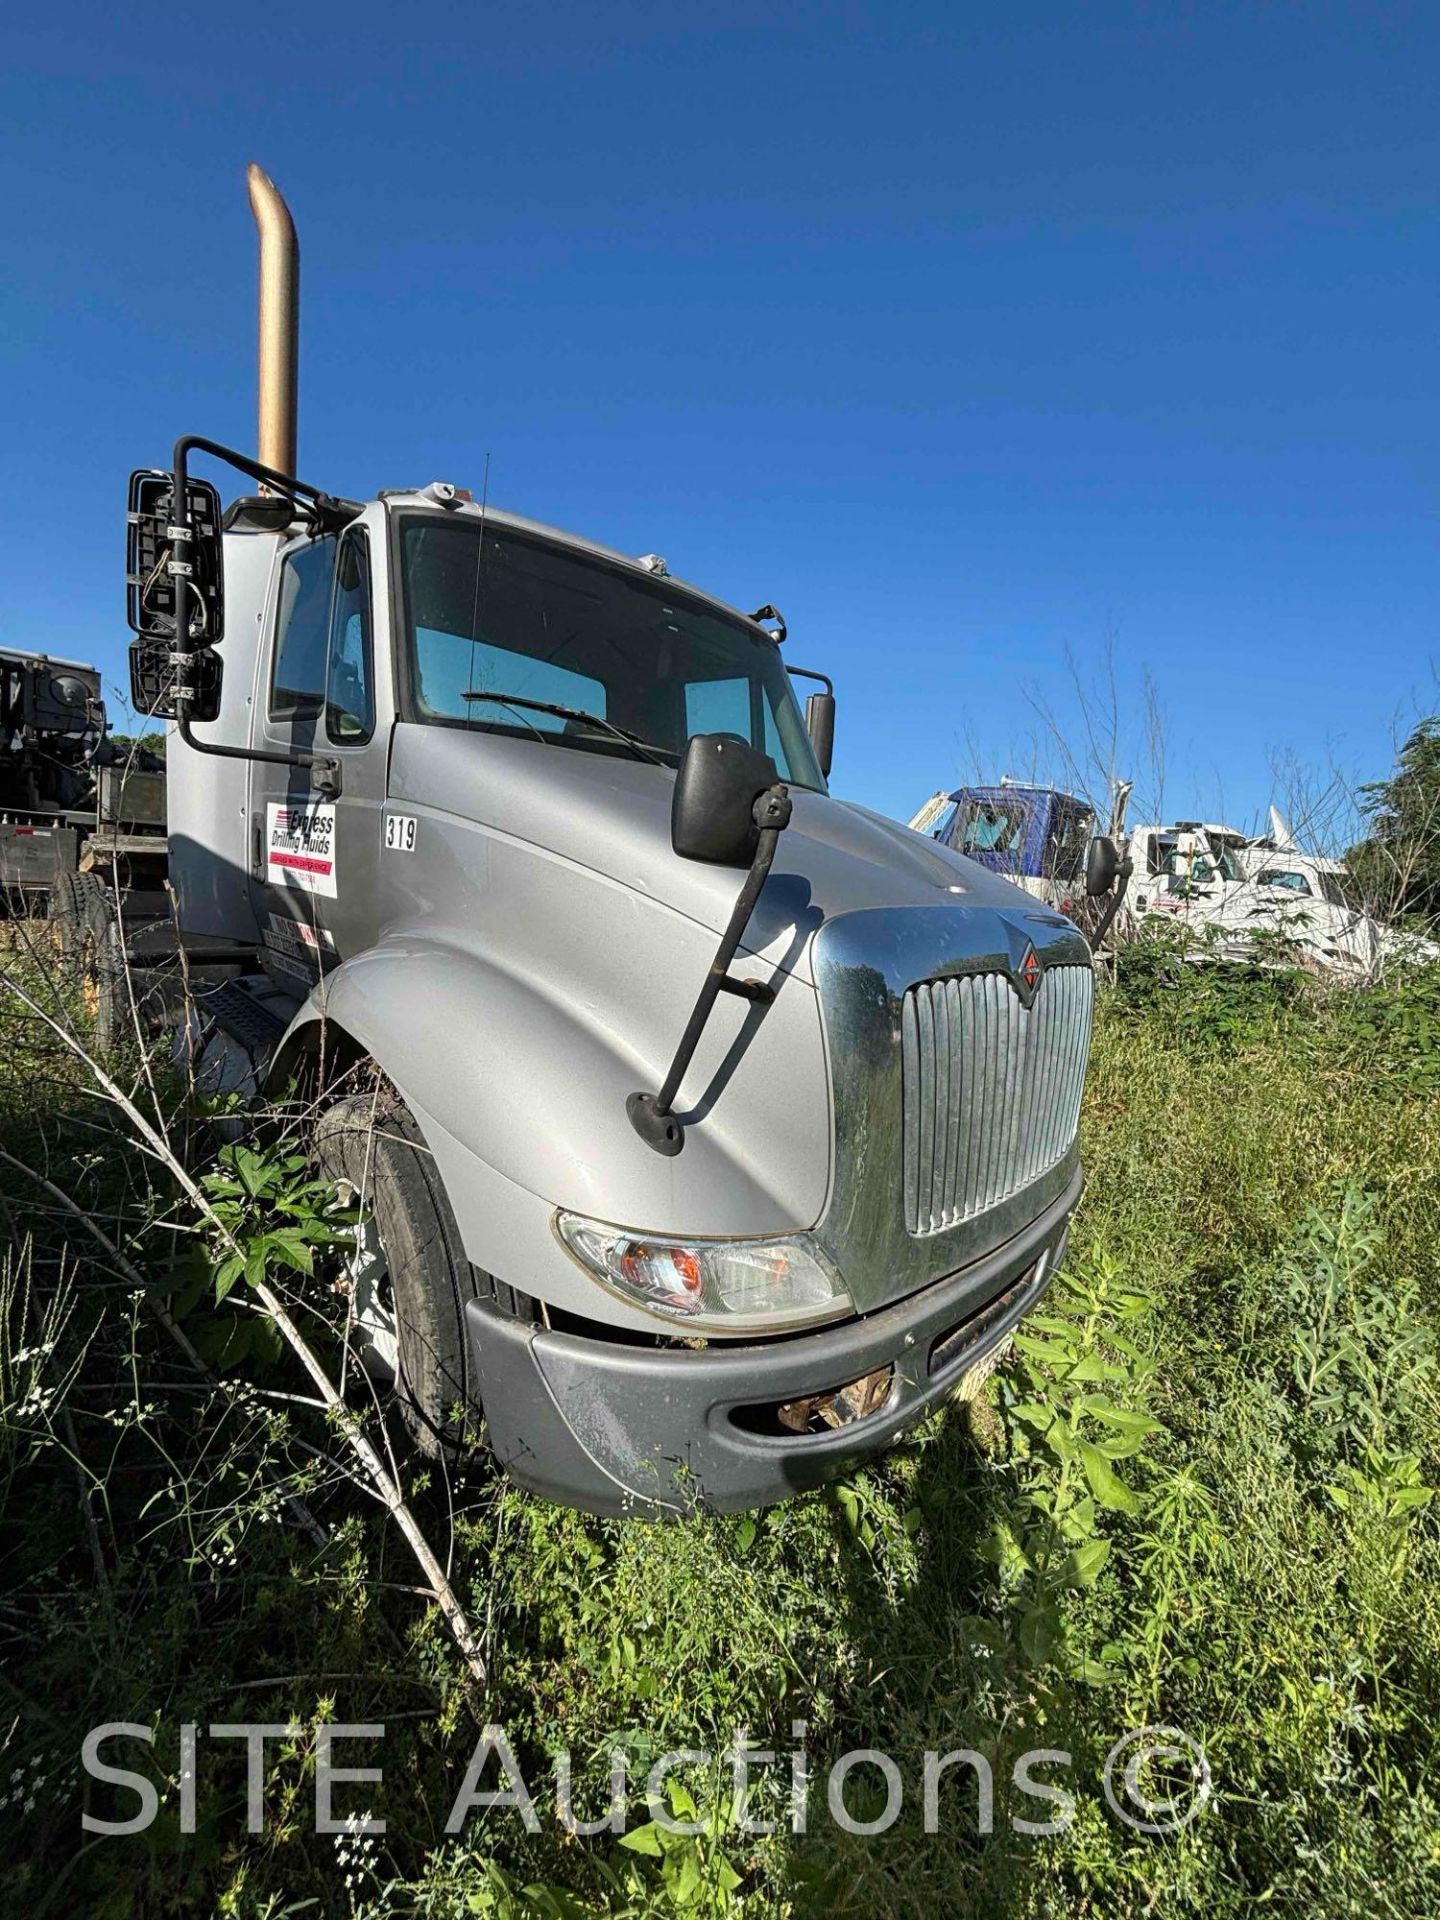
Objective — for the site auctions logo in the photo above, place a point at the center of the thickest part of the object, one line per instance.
(1165, 1758)
(1155, 1780)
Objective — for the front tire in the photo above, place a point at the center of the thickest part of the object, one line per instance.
(371, 1144)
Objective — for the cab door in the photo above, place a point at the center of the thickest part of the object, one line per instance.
(314, 856)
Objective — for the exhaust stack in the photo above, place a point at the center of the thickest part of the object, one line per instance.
(279, 321)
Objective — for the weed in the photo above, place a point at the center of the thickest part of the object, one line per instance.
(1079, 1378)
(1205, 1502)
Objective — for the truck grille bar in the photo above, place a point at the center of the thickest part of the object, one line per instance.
(991, 1089)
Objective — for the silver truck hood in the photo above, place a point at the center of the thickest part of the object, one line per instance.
(930, 1007)
(613, 817)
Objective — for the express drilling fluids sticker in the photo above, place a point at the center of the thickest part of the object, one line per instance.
(300, 846)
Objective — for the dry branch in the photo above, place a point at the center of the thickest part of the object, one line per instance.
(381, 1479)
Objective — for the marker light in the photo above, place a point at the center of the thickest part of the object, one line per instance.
(732, 1286)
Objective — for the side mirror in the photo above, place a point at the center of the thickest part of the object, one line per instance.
(712, 814)
(729, 808)
(156, 564)
(153, 678)
(1102, 864)
(820, 725)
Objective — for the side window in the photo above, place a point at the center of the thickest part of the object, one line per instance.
(297, 682)
(718, 706)
(1072, 843)
(1291, 882)
(349, 690)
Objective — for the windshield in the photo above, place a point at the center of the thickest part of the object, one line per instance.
(530, 619)
(1199, 864)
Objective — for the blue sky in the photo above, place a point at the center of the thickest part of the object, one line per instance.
(979, 339)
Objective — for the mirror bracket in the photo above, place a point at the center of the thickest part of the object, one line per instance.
(758, 992)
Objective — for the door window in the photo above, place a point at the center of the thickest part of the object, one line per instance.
(349, 688)
(297, 684)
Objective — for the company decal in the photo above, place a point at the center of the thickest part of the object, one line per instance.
(300, 846)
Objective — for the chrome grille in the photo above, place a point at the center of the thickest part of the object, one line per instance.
(991, 1089)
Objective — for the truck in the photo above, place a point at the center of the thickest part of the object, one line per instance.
(82, 833)
(707, 1129)
(1037, 836)
(78, 812)
(1257, 900)
(1041, 838)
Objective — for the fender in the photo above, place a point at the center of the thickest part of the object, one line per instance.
(529, 1077)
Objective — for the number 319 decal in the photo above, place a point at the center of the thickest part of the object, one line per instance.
(400, 832)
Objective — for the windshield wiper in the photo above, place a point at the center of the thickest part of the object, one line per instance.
(632, 740)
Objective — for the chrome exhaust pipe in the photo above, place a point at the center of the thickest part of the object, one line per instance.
(279, 321)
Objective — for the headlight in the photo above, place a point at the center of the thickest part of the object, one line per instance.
(730, 1286)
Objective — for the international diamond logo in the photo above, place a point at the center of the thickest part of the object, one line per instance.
(1029, 971)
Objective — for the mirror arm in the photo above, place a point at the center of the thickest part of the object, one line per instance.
(325, 771)
(651, 1114)
(298, 490)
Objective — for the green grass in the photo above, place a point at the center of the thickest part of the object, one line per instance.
(1251, 1294)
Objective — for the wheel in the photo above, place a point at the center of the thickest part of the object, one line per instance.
(78, 901)
(102, 983)
(408, 1276)
(64, 909)
(89, 934)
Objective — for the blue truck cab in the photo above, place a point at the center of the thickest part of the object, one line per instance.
(1034, 836)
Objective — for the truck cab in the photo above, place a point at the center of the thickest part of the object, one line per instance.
(1036, 836)
(1256, 900)
(467, 787)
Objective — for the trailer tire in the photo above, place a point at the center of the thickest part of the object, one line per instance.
(374, 1146)
(65, 911)
(90, 936)
(79, 901)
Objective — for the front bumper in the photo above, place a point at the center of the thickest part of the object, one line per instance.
(652, 1431)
